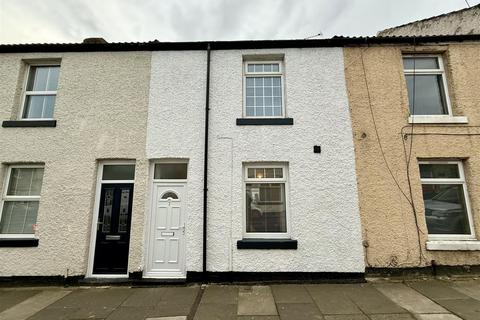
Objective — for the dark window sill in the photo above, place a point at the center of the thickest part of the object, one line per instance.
(267, 244)
(264, 122)
(29, 123)
(19, 242)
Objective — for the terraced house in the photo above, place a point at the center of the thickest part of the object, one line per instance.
(237, 160)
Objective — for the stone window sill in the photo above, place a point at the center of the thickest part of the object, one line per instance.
(18, 242)
(29, 123)
(437, 119)
(453, 245)
(267, 244)
(264, 121)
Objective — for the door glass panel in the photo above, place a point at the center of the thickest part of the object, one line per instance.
(170, 171)
(445, 209)
(124, 205)
(169, 194)
(107, 210)
(119, 172)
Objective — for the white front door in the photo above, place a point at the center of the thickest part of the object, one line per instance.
(166, 246)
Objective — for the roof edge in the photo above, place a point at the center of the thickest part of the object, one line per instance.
(336, 41)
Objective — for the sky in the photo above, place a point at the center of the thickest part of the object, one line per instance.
(54, 21)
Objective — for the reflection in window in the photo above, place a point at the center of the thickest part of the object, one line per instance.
(444, 197)
(266, 209)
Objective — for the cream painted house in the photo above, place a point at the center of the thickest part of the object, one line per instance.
(414, 109)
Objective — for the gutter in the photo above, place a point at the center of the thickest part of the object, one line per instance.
(205, 163)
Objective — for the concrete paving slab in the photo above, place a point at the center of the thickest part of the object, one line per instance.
(216, 311)
(169, 309)
(54, 314)
(332, 299)
(298, 311)
(470, 288)
(291, 293)
(437, 316)
(168, 318)
(130, 313)
(9, 298)
(220, 294)
(436, 290)
(400, 316)
(467, 309)
(372, 301)
(180, 295)
(256, 301)
(142, 297)
(346, 317)
(409, 298)
(93, 298)
(32, 305)
(258, 318)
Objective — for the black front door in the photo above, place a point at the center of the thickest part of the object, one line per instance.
(113, 229)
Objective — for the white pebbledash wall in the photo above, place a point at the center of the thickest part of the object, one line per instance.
(322, 188)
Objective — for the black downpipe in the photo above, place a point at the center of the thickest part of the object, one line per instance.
(205, 164)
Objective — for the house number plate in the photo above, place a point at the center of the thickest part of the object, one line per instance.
(165, 234)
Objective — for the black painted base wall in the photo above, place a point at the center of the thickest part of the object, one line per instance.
(135, 278)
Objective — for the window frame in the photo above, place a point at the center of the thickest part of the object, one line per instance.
(26, 93)
(7, 198)
(247, 74)
(449, 181)
(439, 71)
(284, 180)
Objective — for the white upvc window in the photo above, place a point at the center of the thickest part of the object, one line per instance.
(263, 89)
(427, 85)
(266, 201)
(20, 201)
(447, 209)
(40, 91)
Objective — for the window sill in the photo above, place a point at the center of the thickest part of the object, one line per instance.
(436, 119)
(453, 245)
(264, 121)
(267, 244)
(18, 242)
(29, 123)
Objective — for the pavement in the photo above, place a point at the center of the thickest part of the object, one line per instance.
(426, 299)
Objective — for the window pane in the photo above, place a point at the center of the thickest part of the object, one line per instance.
(267, 68)
(259, 111)
(170, 171)
(429, 94)
(420, 63)
(275, 67)
(119, 172)
(266, 207)
(124, 206)
(52, 83)
(19, 217)
(250, 82)
(25, 182)
(278, 173)
(259, 68)
(439, 170)
(250, 112)
(250, 68)
(251, 173)
(268, 111)
(37, 79)
(445, 209)
(277, 111)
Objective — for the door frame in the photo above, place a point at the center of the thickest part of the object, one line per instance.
(165, 183)
(96, 211)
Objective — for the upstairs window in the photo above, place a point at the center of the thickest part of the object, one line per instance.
(263, 89)
(426, 84)
(40, 91)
